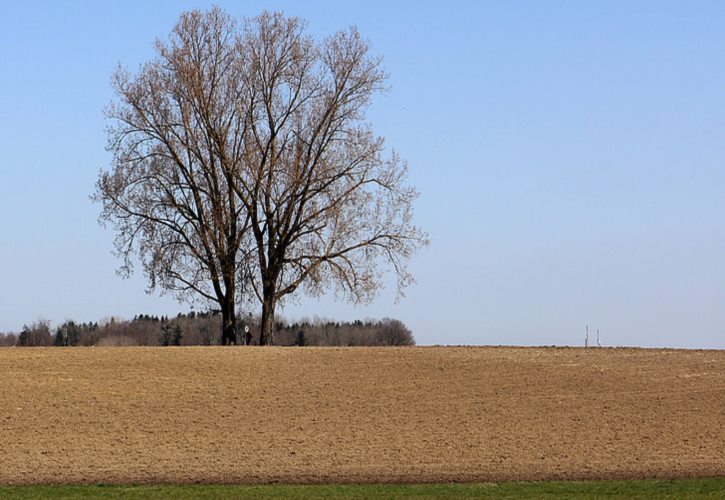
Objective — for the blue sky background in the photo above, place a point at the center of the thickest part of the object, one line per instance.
(570, 157)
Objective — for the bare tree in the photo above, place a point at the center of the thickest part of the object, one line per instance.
(394, 332)
(325, 206)
(178, 151)
(8, 339)
(243, 164)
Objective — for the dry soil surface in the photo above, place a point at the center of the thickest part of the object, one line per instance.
(307, 415)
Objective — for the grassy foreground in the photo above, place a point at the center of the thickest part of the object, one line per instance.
(685, 488)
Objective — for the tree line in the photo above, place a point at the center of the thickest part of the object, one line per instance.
(204, 328)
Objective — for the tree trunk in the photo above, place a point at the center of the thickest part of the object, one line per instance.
(266, 333)
(229, 321)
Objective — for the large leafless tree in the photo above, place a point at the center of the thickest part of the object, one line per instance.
(177, 138)
(243, 163)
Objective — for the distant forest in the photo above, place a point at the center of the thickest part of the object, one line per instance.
(205, 329)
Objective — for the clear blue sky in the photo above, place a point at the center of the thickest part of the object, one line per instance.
(570, 157)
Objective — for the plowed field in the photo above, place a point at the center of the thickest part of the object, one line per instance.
(306, 415)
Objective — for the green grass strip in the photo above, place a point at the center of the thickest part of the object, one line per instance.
(684, 488)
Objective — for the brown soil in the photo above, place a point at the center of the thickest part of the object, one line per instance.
(307, 415)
